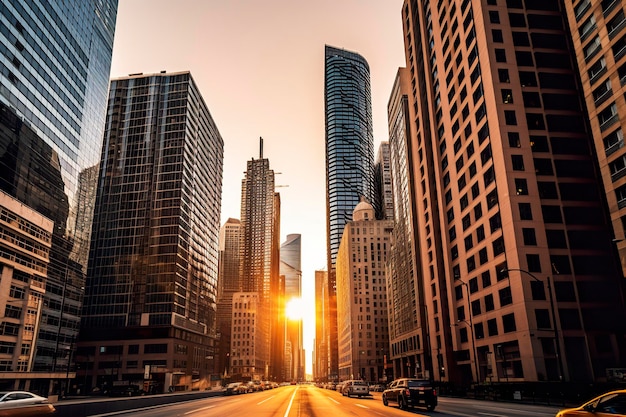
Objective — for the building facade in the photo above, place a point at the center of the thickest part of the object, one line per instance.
(320, 350)
(50, 143)
(259, 245)
(383, 193)
(245, 333)
(363, 330)
(152, 280)
(516, 255)
(599, 39)
(349, 158)
(228, 283)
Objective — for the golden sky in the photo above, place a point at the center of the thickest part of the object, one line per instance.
(259, 65)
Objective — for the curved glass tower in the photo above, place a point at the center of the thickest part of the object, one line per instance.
(349, 156)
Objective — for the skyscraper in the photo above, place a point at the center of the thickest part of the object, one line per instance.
(259, 256)
(320, 352)
(152, 280)
(228, 284)
(55, 59)
(349, 157)
(598, 30)
(362, 324)
(383, 184)
(291, 270)
(515, 248)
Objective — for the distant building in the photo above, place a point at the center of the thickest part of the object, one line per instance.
(259, 251)
(383, 184)
(349, 158)
(320, 351)
(229, 282)
(55, 59)
(290, 269)
(363, 331)
(245, 335)
(151, 289)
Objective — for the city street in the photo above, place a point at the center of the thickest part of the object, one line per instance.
(309, 401)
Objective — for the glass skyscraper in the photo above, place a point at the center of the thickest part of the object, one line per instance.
(152, 278)
(55, 60)
(349, 156)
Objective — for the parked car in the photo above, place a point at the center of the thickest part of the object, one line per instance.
(356, 388)
(232, 388)
(126, 391)
(377, 388)
(608, 404)
(407, 392)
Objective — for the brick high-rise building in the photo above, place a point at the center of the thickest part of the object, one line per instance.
(516, 256)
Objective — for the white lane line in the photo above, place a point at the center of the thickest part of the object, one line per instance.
(267, 399)
(199, 409)
(291, 402)
(361, 405)
(333, 400)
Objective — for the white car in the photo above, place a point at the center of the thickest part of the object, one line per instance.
(19, 398)
(356, 388)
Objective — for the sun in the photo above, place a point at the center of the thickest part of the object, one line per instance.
(293, 309)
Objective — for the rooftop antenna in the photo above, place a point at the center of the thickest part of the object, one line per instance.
(260, 147)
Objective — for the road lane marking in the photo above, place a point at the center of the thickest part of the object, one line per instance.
(361, 405)
(333, 400)
(291, 402)
(199, 409)
(259, 403)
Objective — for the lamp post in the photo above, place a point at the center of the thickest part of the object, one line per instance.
(552, 310)
(470, 324)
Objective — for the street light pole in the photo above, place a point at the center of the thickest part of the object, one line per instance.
(471, 326)
(553, 311)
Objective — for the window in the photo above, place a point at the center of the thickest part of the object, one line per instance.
(590, 50)
(509, 117)
(507, 96)
(492, 327)
(469, 243)
(586, 28)
(480, 233)
(521, 187)
(534, 264)
(500, 55)
(602, 92)
(530, 238)
(581, 8)
(486, 277)
(613, 141)
(528, 79)
(489, 304)
(508, 323)
(506, 297)
(503, 75)
(496, 35)
(525, 211)
(517, 162)
(478, 211)
(607, 116)
(494, 17)
(597, 69)
(482, 256)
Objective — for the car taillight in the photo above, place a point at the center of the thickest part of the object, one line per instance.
(434, 392)
(407, 392)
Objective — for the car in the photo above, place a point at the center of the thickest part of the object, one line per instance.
(377, 388)
(355, 387)
(612, 403)
(232, 388)
(409, 392)
(126, 391)
(19, 398)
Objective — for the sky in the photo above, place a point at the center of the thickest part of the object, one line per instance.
(259, 65)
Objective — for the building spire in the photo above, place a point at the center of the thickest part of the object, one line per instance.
(260, 147)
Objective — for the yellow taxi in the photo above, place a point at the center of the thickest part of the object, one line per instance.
(612, 403)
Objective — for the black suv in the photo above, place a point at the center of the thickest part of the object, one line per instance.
(407, 392)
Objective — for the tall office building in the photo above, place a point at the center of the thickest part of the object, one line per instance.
(260, 207)
(291, 270)
(55, 59)
(599, 38)
(228, 283)
(383, 191)
(516, 253)
(349, 158)
(150, 297)
(362, 324)
(410, 354)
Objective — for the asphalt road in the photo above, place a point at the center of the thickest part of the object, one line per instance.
(309, 401)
